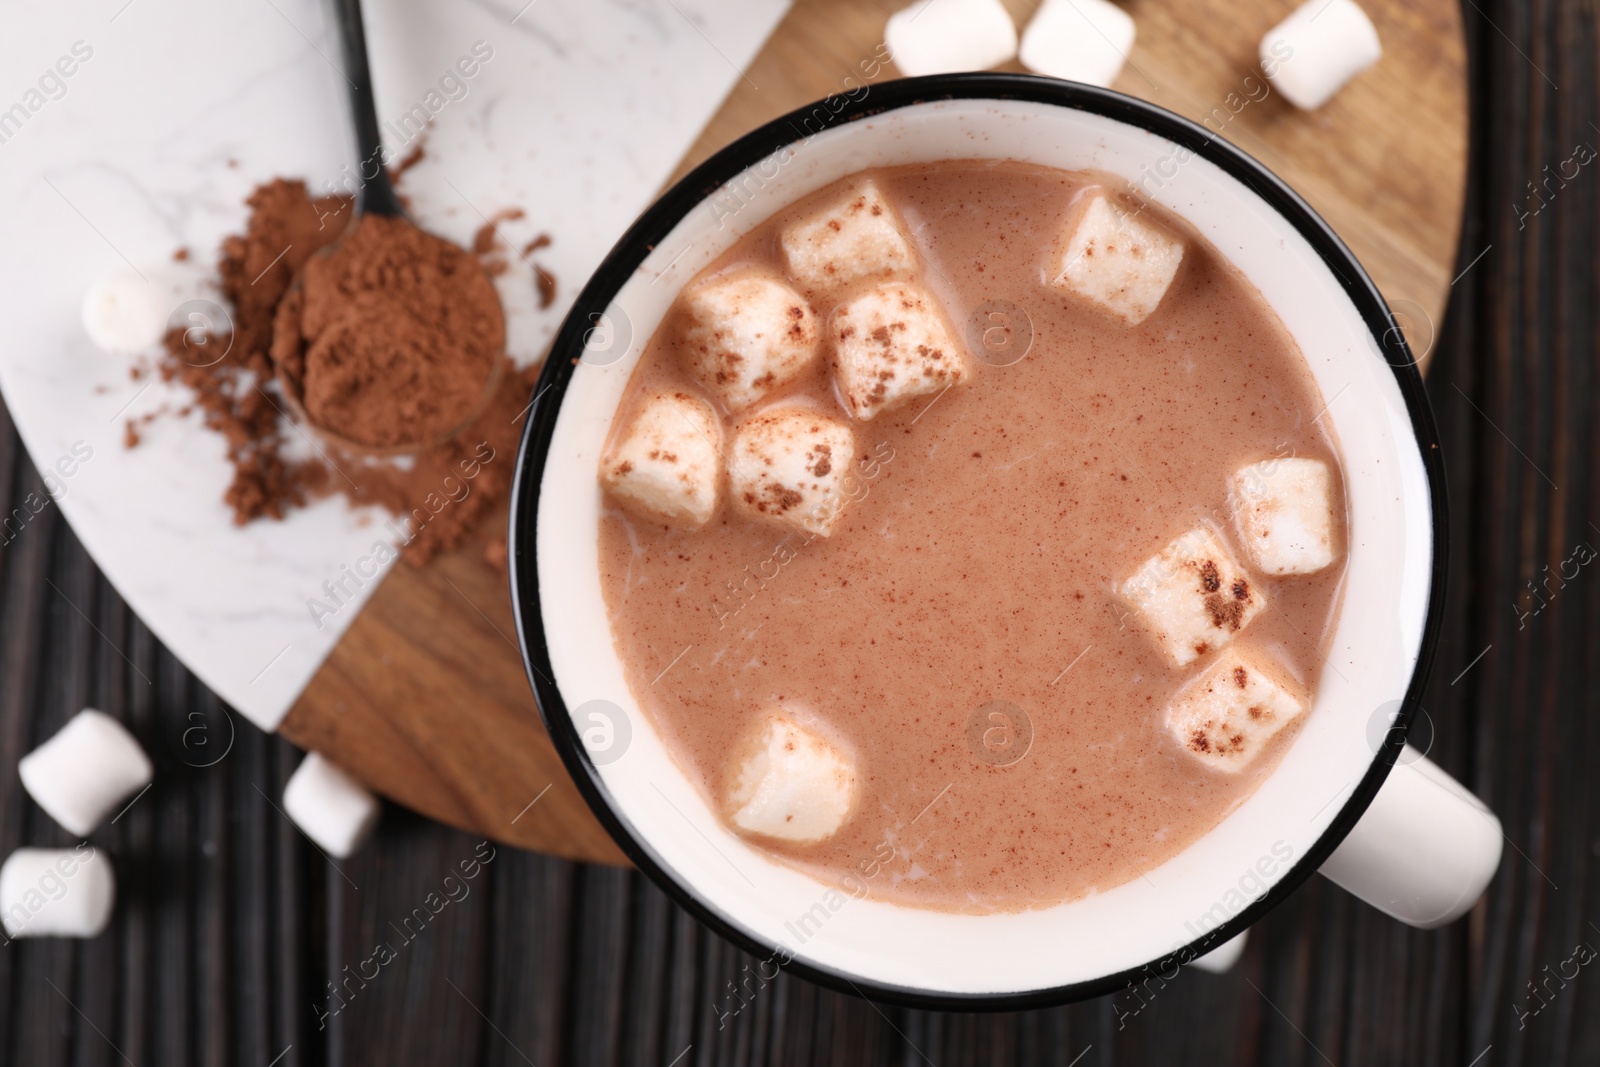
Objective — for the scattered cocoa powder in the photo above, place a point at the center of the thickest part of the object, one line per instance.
(541, 241)
(180, 256)
(445, 487)
(547, 286)
(483, 240)
(412, 158)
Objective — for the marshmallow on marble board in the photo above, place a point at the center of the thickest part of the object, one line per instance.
(1284, 508)
(83, 773)
(1193, 597)
(950, 36)
(789, 465)
(668, 463)
(892, 344)
(747, 334)
(857, 236)
(124, 313)
(56, 892)
(1221, 959)
(335, 811)
(1078, 40)
(1121, 260)
(790, 782)
(1225, 717)
(1310, 55)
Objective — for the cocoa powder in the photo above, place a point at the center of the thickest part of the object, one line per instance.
(389, 340)
(443, 489)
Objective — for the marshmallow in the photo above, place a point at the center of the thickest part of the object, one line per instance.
(333, 809)
(85, 771)
(1311, 54)
(1221, 959)
(857, 237)
(48, 892)
(789, 466)
(1193, 597)
(746, 335)
(1119, 260)
(1285, 514)
(124, 313)
(1079, 40)
(669, 462)
(791, 783)
(1225, 717)
(948, 36)
(891, 344)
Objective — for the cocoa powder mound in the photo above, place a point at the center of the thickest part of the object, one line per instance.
(442, 490)
(389, 340)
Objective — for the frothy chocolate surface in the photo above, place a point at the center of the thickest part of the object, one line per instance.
(960, 631)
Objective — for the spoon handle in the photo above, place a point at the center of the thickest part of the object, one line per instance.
(376, 195)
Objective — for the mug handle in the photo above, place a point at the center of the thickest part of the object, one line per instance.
(1425, 850)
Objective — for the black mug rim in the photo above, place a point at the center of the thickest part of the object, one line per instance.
(623, 261)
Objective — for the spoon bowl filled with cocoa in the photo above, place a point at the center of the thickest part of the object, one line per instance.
(964, 537)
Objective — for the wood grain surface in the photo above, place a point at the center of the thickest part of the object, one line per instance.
(229, 925)
(425, 697)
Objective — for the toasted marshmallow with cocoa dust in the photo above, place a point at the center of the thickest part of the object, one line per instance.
(892, 344)
(856, 237)
(1118, 258)
(1284, 508)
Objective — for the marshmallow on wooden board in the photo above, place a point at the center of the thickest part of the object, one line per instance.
(1225, 717)
(82, 774)
(335, 811)
(667, 464)
(1284, 508)
(790, 782)
(857, 236)
(1310, 55)
(1221, 959)
(892, 344)
(746, 334)
(1119, 259)
(1193, 597)
(789, 465)
(56, 892)
(124, 313)
(950, 36)
(1078, 40)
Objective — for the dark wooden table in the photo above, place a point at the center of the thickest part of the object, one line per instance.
(230, 928)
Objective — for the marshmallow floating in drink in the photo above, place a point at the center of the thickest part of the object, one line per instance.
(124, 313)
(892, 344)
(789, 466)
(668, 462)
(747, 334)
(333, 809)
(1193, 596)
(1119, 260)
(790, 782)
(1225, 717)
(50, 892)
(1078, 40)
(856, 237)
(949, 36)
(1284, 509)
(1310, 55)
(82, 774)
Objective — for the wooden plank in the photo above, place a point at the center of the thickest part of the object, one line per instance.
(425, 698)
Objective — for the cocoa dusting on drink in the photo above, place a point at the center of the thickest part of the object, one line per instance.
(391, 339)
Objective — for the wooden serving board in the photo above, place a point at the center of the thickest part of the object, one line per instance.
(425, 698)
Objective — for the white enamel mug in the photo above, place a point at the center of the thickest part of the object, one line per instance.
(1380, 821)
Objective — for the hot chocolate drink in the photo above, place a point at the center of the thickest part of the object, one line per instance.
(973, 534)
